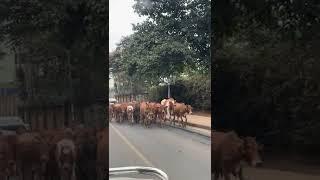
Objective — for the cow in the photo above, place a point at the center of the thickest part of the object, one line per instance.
(65, 154)
(143, 111)
(55, 135)
(32, 155)
(149, 117)
(7, 156)
(86, 150)
(117, 112)
(160, 113)
(111, 113)
(168, 103)
(136, 112)
(188, 111)
(181, 110)
(152, 106)
(130, 111)
(228, 150)
(123, 108)
(102, 153)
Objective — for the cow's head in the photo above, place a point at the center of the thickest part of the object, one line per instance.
(251, 151)
(189, 109)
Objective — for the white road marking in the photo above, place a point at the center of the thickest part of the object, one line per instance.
(132, 147)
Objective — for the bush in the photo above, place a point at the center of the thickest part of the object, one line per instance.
(194, 90)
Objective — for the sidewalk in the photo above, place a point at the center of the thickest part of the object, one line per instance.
(197, 124)
(201, 120)
(198, 121)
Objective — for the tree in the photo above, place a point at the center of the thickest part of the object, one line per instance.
(266, 73)
(184, 20)
(74, 30)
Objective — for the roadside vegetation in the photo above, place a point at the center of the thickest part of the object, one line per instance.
(266, 72)
(60, 48)
(171, 45)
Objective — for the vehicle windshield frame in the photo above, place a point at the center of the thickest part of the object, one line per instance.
(138, 170)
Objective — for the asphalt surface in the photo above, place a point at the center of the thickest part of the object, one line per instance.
(273, 174)
(180, 154)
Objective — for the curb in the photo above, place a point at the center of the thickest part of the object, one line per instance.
(191, 130)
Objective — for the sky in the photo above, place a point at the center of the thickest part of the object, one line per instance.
(121, 16)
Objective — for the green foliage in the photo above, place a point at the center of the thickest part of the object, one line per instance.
(46, 33)
(174, 39)
(266, 80)
(194, 90)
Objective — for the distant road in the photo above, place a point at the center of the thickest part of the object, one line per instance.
(182, 155)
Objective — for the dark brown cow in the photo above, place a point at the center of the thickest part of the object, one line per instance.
(102, 153)
(136, 112)
(228, 150)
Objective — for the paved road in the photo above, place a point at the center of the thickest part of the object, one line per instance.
(272, 174)
(182, 155)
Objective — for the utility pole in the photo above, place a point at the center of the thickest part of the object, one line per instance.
(168, 90)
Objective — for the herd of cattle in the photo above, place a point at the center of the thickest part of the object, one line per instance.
(65, 154)
(150, 112)
(82, 153)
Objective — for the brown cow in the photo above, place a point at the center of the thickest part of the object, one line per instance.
(123, 115)
(152, 106)
(102, 153)
(160, 113)
(32, 154)
(143, 111)
(117, 112)
(111, 113)
(228, 150)
(180, 110)
(66, 159)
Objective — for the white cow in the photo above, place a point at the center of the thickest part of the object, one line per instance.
(130, 110)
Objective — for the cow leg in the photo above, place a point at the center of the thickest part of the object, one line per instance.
(174, 118)
(186, 122)
(181, 121)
